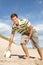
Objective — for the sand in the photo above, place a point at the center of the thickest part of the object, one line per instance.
(17, 55)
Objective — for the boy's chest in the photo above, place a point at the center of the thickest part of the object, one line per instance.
(21, 28)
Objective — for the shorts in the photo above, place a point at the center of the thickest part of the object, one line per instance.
(34, 39)
(23, 39)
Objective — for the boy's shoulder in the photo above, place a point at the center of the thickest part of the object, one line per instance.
(22, 21)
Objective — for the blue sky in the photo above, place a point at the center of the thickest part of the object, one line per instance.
(30, 9)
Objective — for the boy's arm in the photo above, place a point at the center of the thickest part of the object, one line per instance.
(11, 40)
(31, 31)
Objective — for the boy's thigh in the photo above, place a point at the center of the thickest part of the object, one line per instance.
(35, 43)
(35, 40)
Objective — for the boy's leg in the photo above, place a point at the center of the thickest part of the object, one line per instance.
(40, 53)
(38, 48)
(25, 49)
(35, 42)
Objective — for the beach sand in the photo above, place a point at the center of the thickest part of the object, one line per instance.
(17, 55)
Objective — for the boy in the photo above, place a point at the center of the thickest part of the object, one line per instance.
(25, 28)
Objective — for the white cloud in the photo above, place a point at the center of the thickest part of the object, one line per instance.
(4, 28)
(41, 38)
(39, 27)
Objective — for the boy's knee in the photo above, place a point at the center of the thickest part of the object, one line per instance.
(23, 44)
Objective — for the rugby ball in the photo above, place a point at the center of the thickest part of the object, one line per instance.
(7, 54)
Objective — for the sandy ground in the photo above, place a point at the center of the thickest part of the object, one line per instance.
(17, 55)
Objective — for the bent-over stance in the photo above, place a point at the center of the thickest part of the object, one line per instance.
(27, 31)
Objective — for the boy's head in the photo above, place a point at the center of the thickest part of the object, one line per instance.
(13, 15)
(14, 18)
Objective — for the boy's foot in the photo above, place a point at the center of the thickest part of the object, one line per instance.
(42, 59)
(27, 58)
(24, 57)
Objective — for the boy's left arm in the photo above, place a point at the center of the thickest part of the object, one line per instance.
(31, 31)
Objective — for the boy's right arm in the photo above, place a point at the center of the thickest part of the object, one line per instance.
(10, 41)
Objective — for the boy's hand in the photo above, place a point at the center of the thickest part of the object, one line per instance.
(10, 41)
(27, 39)
(7, 48)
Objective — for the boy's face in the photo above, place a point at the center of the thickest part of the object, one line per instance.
(15, 20)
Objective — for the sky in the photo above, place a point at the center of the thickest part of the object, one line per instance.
(30, 9)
